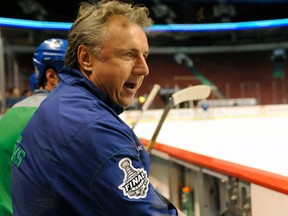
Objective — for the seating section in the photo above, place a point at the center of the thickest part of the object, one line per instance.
(237, 75)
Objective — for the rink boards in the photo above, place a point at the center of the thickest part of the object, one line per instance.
(249, 143)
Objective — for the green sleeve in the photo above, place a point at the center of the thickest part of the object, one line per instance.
(11, 125)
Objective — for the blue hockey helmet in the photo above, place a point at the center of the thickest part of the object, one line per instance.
(49, 53)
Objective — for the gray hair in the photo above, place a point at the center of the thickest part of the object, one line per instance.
(91, 25)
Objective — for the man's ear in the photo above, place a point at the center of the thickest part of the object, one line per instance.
(52, 79)
(84, 58)
(51, 75)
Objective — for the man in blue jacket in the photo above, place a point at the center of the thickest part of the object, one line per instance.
(76, 156)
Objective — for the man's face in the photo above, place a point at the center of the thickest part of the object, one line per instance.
(120, 70)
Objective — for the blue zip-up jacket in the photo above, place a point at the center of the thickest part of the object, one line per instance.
(77, 157)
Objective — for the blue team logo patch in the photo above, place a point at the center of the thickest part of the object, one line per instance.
(135, 182)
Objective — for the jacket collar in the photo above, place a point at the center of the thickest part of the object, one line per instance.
(72, 76)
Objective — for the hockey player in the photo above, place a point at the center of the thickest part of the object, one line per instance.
(48, 60)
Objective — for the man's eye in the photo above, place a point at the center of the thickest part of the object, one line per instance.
(129, 54)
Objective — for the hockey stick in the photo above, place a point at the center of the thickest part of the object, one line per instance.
(198, 92)
(147, 103)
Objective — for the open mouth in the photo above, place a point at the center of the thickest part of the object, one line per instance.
(130, 85)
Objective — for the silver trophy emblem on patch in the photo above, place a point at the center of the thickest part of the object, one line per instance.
(135, 182)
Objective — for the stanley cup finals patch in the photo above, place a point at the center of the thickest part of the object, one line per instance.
(135, 182)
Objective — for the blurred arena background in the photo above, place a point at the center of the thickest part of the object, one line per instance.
(239, 64)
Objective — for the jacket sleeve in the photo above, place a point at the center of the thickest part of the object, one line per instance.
(108, 176)
(124, 178)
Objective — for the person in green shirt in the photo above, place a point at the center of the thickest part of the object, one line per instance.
(48, 60)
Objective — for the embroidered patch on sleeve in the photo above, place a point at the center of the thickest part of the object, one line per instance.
(135, 182)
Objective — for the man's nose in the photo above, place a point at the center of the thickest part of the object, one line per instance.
(141, 67)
